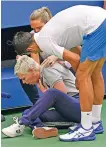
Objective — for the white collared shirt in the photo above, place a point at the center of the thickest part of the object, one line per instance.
(67, 28)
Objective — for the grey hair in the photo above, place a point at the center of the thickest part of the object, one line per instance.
(24, 63)
(43, 13)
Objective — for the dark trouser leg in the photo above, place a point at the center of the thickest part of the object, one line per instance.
(52, 116)
(48, 116)
(31, 91)
(34, 122)
(68, 107)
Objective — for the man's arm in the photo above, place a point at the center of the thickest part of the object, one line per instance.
(76, 50)
(35, 57)
(49, 46)
(104, 4)
(72, 58)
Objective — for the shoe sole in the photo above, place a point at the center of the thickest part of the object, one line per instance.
(99, 132)
(41, 133)
(10, 136)
(89, 138)
(80, 139)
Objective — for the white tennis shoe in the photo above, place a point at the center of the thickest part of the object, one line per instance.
(14, 130)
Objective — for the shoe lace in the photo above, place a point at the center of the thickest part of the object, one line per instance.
(15, 119)
(79, 134)
(76, 129)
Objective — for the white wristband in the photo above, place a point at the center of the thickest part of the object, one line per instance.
(67, 64)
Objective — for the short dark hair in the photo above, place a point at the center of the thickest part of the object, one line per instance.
(21, 41)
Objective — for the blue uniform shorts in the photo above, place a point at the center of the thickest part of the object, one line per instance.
(94, 44)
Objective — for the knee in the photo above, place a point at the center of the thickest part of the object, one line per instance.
(51, 90)
(51, 93)
(97, 74)
(80, 77)
(54, 94)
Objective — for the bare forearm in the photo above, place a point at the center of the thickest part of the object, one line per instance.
(76, 50)
(72, 58)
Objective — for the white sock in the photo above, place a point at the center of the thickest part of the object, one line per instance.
(86, 119)
(96, 113)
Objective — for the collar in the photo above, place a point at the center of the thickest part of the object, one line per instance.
(36, 35)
